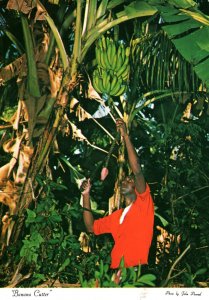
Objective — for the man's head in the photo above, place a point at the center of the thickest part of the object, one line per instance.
(128, 185)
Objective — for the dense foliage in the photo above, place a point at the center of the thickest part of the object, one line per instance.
(165, 106)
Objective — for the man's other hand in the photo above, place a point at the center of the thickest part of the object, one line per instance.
(86, 187)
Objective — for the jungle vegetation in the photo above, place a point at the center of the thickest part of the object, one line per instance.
(58, 105)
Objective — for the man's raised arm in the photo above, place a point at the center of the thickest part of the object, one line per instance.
(132, 157)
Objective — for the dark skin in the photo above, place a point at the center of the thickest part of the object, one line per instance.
(128, 184)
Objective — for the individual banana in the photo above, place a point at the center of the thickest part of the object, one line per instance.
(106, 83)
(113, 82)
(117, 87)
(98, 76)
(105, 59)
(104, 78)
(109, 53)
(96, 83)
(126, 72)
(119, 62)
(104, 45)
(99, 43)
(107, 41)
(121, 90)
(98, 55)
(102, 60)
(100, 85)
(122, 51)
(123, 67)
(113, 54)
(119, 51)
(127, 51)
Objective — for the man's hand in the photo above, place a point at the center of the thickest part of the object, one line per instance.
(121, 127)
(86, 187)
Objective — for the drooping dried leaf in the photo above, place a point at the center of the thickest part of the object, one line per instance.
(82, 114)
(25, 6)
(23, 164)
(77, 134)
(9, 196)
(73, 103)
(63, 101)
(40, 13)
(15, 155)
(17, 67)
(4, 170)
(9, 145)
(92, 93)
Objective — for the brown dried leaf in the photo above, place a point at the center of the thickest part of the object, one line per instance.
(73, 103)
(92, 93)
(18, 66)
(4, 170)
(41, 12)
(9, 145)
(77, 134)
(24, 6)
(9, 196)
(82, 114)
(23, 164)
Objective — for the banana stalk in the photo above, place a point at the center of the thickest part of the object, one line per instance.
(85, 17)
(57, 37)
(106, 163)
(91, 17)
(77, 41)
(67, 22)
(59, 41)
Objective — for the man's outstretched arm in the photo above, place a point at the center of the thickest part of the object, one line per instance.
(87, 214)
(132, 157)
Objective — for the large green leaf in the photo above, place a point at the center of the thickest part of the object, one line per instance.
(181, 27)
(137, 9)
(177, 3)
(190, 48)
(192, 45)
(202, 70)
(183, 3)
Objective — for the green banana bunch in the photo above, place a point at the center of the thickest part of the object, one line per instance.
(107, 82)
(113, 67)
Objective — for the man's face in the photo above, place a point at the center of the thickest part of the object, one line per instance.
(127, 185)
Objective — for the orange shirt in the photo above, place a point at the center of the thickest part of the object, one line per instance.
(133, 237)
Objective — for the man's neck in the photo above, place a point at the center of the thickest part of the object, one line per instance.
(129, 199)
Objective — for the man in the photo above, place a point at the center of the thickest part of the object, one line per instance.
(132, 227)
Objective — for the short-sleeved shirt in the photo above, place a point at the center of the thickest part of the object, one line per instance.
(134, 235)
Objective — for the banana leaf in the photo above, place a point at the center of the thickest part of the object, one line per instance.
(15, 41)
(183, 3)
(137, 9)
(33, 85)
(188, 29)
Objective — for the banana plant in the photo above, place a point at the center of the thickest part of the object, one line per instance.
(34, 75)
(48, 72)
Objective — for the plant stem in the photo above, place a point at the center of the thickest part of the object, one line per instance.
(174, 264)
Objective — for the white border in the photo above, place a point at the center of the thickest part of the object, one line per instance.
(104, 293)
